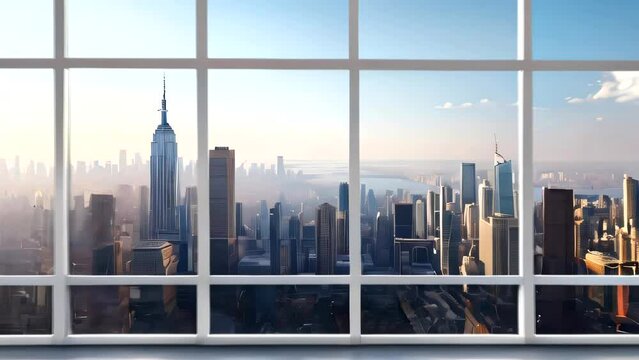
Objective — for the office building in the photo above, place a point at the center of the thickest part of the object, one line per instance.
(499, 245)
(403, 220)
(164, 182)
(224, 256)
(559, 227)
(326, 239)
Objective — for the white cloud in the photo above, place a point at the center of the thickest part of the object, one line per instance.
(599, 118)
(621, 86)
(449, 106)
(445, 106)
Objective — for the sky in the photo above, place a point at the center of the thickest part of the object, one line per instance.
(404, 115)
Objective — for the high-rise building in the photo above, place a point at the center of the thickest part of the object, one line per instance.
(467, 183)
(431, 203)
(420, 219)
(362, 198)
(383, 249)
(503, 194)
(281, 171)
(294, 238)
(164, 182)
(222, 211)
(499, 245)
(403, 221)
(450, 238)
(559, 227)
(275, 235)
(471, 221)
(264, 225)
(102, 218)
(630, 202)
(371, 203)
(342, 220)
(343, 196)
(485, 204)
(445, 196)
(325, 223)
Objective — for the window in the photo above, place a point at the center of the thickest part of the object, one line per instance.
(318, 172)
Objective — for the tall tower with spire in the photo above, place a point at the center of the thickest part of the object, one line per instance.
(163, 221)
(504, 202)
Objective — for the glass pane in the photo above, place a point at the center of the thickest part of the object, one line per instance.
(134, 201)
(26, 29)
(424, 309)
(25, 310)
(133, 309)
(282, 309)
(278, 167)
(586, 29)
(278, 29)
(131, 28)
(587, 309)
(438, 170)
(584, 163)
(26, 172)
(438, 29)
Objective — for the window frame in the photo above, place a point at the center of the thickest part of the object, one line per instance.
(524, 65)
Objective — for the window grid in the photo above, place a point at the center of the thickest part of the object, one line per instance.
(525, 65)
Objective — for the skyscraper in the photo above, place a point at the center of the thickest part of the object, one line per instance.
(222, 210)
(559, 227)
(403, 220)
(485, 199)
(630, 202)
(467, 183)
(343, 196)
(504, 197)
(420, 219)
(450, 238)
(362, 198)
(275, 236)
(342, 220)
(471, 221)
(499, 245)
(164, 185)
(371, 203)
(431, 204)
(294, 238)
(326, 239)
(264, 225)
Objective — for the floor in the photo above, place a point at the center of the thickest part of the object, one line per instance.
(305, 352)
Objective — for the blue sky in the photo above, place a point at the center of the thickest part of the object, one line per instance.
(405, 108)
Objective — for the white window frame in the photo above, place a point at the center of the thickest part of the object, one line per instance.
(524, 65)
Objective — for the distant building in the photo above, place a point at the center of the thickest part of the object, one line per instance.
(326, 239)
(403, 220)
(559, 237)
(281, 172)
(499, 245)
(420, 219)
(275, 234)
(467, 183)
(503, 193)
(224, 255)
(485, 200)
(153, 257)
(164, 182)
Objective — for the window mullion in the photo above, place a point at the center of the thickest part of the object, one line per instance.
(60, 310)
(525, 118)
(203, 245)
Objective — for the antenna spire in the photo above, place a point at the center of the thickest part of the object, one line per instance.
(163, 109)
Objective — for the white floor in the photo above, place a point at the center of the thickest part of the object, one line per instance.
(332, 352)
